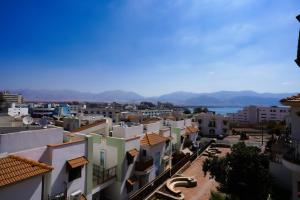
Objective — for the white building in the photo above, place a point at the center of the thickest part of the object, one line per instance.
(256, 114)
(67, 160)
(273, 113)
(212, 124)
(17, 110)
(291, 159)
(154, 113)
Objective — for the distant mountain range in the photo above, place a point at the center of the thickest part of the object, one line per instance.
(221, 98)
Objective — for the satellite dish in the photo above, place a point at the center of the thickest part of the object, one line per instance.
(43, 122)
(27, 120)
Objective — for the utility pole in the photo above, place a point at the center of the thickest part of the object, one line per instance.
(170, 155)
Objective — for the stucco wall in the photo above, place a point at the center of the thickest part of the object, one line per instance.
(59, 177)
(29, 189)
(153, 127)
(127, 132)
(18, 141)
(295, 120)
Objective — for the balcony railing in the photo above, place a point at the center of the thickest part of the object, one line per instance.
(101, 175)
(144, 164)
(293, 152)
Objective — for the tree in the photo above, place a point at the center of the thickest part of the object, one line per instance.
(1, 98)
(243, 174)
(200, 110)
(187, 111)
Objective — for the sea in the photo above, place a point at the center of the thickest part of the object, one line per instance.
(223, 110)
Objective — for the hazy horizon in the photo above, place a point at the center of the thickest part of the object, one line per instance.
(150, 47)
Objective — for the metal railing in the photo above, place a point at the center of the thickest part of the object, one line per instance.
(146, 190)
(101, 175)
(143, 164)
(293, 151)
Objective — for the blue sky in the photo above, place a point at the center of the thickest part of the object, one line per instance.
(150, 46)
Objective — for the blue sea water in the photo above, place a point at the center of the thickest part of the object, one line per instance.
(223, 110)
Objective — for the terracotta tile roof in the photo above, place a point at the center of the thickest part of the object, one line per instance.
(151, 139)
(133, 152)
(131, 180)
(150, 120)
(82, 128)
(15, 168)
(80, 161)
(190, 130)
(293, 99)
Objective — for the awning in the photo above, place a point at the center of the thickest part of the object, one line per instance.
(131, 181)
(77, 162)
(133, 152)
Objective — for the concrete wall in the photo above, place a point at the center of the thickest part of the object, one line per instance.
(29, 189)
(127, 132)
(59, 177)
(23, 140)
(152, 127)
(282, 176)
(295, 120)
(101, 129)
(110, 154)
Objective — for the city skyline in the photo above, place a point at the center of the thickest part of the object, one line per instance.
(150, 47)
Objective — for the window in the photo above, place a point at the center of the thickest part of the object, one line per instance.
(144, 152)
(74, 173)
(102, 158)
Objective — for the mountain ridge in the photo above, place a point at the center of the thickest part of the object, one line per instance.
(219, 98)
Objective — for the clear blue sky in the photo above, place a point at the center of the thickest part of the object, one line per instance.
(150, 46)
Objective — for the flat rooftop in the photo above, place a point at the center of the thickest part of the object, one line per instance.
(5, 130)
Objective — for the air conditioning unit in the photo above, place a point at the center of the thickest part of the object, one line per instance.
(76, 195)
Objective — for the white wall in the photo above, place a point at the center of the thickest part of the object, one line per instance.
(18, 141)
(127, 132)
(59, 177)
(29, 189)
(295, 120)
(110, 153)
(152, 127)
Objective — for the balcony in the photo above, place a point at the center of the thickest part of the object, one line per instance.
(144, 164)
(291, 159)
(101, 175)
(212, 124)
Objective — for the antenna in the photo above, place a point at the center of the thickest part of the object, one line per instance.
(27, 121)
(43, 122)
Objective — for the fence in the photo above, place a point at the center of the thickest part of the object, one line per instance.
(101, 175)
(146, 190)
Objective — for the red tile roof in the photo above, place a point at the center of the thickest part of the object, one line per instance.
(191, 130)
(152, 139)
(89, 126)
(77, 162)
(15, 168)
(291, 100)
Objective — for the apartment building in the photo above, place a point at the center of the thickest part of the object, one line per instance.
(291, 158)
(11, 98)
(273, 113)
(154, 113)
(257, 114)
(212, 124)
(62, 165)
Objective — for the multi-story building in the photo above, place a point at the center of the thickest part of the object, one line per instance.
(154, 113)
(257, 114)
(291, 157)
(58, 168)
(18, 110)
(212, 124)
(273, 113)
(11, 98)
